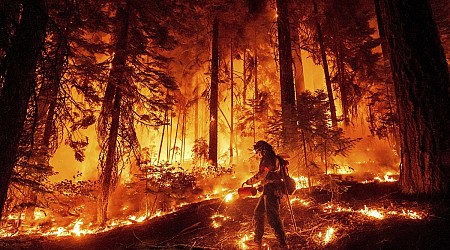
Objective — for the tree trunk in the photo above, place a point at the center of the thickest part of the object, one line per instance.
(9, 16)
(196, 110)
(387, 71)
(111, 114)
(325, 70)
(213, 102)
(299, 78)
(421, 81)
(286, 75)
(244, 77)
(26, 46)
(107, 176)
(232, 103)
(343, 84)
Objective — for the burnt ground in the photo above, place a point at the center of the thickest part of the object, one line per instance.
(191, 227)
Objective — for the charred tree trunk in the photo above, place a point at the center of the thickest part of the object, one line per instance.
(108, 174)
(110, 115)
(196, 111)
(387, 71)
(326, 70)
(213, 101)
(232, 103)
(26, 46)
(299, 78)
(286, 75)
(421, 81)
(343, 83)
(9, 16)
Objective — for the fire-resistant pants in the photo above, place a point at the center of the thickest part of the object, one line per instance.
(268, 203)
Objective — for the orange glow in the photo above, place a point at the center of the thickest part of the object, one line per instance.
(228, 197)
(371, 213)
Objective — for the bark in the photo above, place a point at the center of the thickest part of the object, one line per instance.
(17, 89)
(110, 161)
(111, 114)
(213, 102)
(389, 84)
(232, 103)
(421, 81)
(244, 77)
(9, 15)
(326, 70)
(196, 111)
(299, 78)
(343, 84)
(286, 75)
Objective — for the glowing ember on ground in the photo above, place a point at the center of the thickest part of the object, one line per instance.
(409, 214)
(371, 213)
(137, 219)
(218, 219)
(243, 240)
(301, 201)
(326, 237)
(388, 177)
(335, 208)
(247, 240)
(374, 213)
(74, 229)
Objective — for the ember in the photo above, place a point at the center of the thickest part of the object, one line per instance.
(327, 237)
(371, 213)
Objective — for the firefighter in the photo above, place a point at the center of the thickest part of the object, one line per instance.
(269, 202)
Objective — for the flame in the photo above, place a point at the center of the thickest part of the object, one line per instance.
(77, 228)
(38, 214)
(74, 229)
(375, 213)
(388, 177)
(215, 223)
(229, 197)
(328, 235)
(372, 213)
(243, 240)
(413, 215)
(301, 182)
(301, 201)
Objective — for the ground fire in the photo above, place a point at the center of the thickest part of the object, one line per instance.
(229, 226)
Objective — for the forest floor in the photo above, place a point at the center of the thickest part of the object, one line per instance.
(368, 216)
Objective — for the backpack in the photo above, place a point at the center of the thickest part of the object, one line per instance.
(288, 184)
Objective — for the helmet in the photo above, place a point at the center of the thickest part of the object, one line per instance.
(261, 145)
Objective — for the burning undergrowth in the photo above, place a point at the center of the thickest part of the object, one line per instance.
(373, 211)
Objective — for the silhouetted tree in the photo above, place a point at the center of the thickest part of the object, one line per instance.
(26, 45)
(136, 87)
(286, 73)
(421, 82)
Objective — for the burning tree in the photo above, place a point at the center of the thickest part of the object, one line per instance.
(320, 141)
(136, 80)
